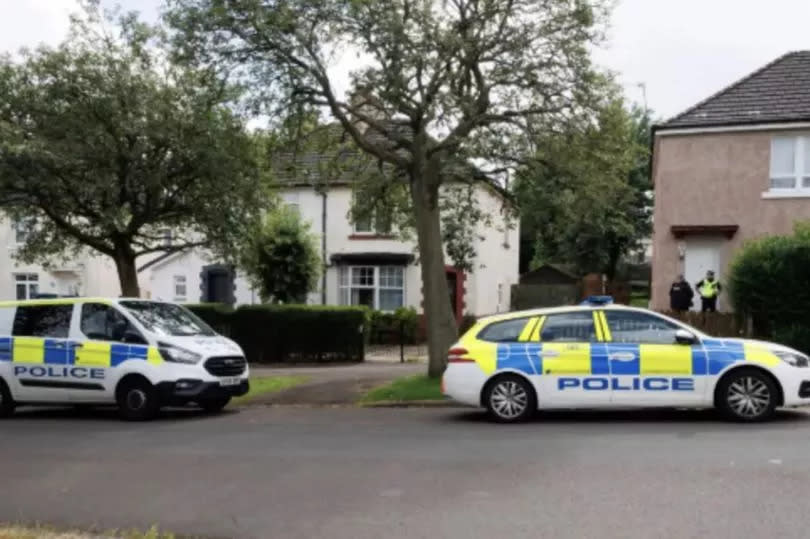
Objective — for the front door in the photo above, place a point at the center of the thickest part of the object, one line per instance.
(573, 362)
(702, 255)
(647, 366)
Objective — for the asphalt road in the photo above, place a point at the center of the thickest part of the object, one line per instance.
(368, 473)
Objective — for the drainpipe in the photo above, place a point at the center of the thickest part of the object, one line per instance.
(323, 246)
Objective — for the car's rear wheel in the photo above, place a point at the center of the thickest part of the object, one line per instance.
(747, 395)
(7, 403)
(137, 400)
(213, 406)
(510, 399)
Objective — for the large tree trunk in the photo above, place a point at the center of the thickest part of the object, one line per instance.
(439, 318)
(127, 273)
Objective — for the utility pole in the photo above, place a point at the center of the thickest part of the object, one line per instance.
(643, 87)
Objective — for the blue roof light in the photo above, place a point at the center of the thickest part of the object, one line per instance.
(598, 300)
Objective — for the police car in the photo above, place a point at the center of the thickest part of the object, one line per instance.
(601, 355)
(138, 354)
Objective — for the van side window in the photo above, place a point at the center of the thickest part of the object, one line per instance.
(102, 322)
(42, 321)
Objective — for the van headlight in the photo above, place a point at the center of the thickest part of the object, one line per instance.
(792, 358)
(175, 354)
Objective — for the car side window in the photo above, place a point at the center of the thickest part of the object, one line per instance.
(505, 331)
(102, 322)
(638, 327)
(42, 321)
(569, 327)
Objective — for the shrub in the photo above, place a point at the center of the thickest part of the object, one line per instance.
(216, 315)
(770, 282)
(278, 333)
(392, 328)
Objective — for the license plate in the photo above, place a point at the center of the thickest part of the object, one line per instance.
(233, 381)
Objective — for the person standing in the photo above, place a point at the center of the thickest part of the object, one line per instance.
(680, 295)
(709, 288)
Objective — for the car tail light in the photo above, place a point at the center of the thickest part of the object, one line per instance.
(459, 355)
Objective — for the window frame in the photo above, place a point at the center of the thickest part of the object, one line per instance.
(131, 328)
(598, 337)
(346, 284)
(801, 167)
(698, 335)
(528, 326)
(29, 281)
(176, 281)
(69, 307)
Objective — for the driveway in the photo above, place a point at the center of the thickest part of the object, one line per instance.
(336, 384)
(288, 472)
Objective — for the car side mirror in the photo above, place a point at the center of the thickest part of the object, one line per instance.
(685, 337)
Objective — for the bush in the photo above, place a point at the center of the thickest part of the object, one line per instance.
(216, 315)
(392, 328)
(279, 333)
(770, 282)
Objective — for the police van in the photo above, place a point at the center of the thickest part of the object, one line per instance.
(138, 354)
(601, 355)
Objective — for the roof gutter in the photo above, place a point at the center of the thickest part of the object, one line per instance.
(663, 130)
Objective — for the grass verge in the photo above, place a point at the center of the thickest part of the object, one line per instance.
(46, 532)
(408, 388)
(262, 385)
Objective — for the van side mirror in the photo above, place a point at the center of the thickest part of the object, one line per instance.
(685, 337)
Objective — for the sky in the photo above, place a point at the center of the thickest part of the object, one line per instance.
(682, 51)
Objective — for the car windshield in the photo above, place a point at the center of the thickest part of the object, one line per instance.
(167, 319)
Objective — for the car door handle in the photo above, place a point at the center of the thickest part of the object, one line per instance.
(548, 353)
(627, 356)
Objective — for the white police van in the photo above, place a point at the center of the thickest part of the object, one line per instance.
(135, 353)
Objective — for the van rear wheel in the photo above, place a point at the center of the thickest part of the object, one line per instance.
(137, 400)
(7, 404)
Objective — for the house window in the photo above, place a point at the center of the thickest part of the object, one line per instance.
(377, 287)
(179, 288)
(21, 228)
(375, 222)
(790, 164)
(27, 285)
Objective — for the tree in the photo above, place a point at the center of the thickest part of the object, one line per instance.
(456, 79)
(105, 144)
(281, 258)
(585, 198)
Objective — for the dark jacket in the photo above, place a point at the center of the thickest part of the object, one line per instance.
(680, 296)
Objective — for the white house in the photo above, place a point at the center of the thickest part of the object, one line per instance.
(86, 275)
(364, 267)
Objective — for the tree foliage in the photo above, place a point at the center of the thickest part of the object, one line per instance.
(769, 282)
(281, 258)
(585, 197)
(444, 81)
(105, 143)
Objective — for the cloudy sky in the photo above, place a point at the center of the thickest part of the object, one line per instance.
(681, 50)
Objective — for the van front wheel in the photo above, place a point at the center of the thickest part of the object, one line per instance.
(137, 400)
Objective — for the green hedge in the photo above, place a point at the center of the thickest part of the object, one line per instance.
(391, 328)
(769, 282)
(292, 333)
(216, 315)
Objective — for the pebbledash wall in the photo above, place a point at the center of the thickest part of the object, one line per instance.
(486, 288)
(715, 180)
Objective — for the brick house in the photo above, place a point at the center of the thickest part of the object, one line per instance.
(732, 168)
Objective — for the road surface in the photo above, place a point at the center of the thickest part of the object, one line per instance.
(288, 473)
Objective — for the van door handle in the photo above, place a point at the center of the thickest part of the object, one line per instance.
(626, 356)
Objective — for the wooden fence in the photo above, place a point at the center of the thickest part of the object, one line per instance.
(715, 324)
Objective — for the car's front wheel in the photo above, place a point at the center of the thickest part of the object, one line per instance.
(510, 399)
(213, 406)
(747, 395)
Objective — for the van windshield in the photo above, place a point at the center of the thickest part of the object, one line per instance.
(167, 319)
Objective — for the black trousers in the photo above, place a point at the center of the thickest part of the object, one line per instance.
(709, 305)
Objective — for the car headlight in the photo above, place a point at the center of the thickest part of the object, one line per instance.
(175, 354)
(792, 358)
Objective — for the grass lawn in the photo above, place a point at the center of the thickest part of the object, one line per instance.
(45, 532)
(409, 388)
(262, 385)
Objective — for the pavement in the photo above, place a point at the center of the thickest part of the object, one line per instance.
(334, 384)
(292, 472)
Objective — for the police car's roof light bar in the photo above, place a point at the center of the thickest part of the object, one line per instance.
(598, 300)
